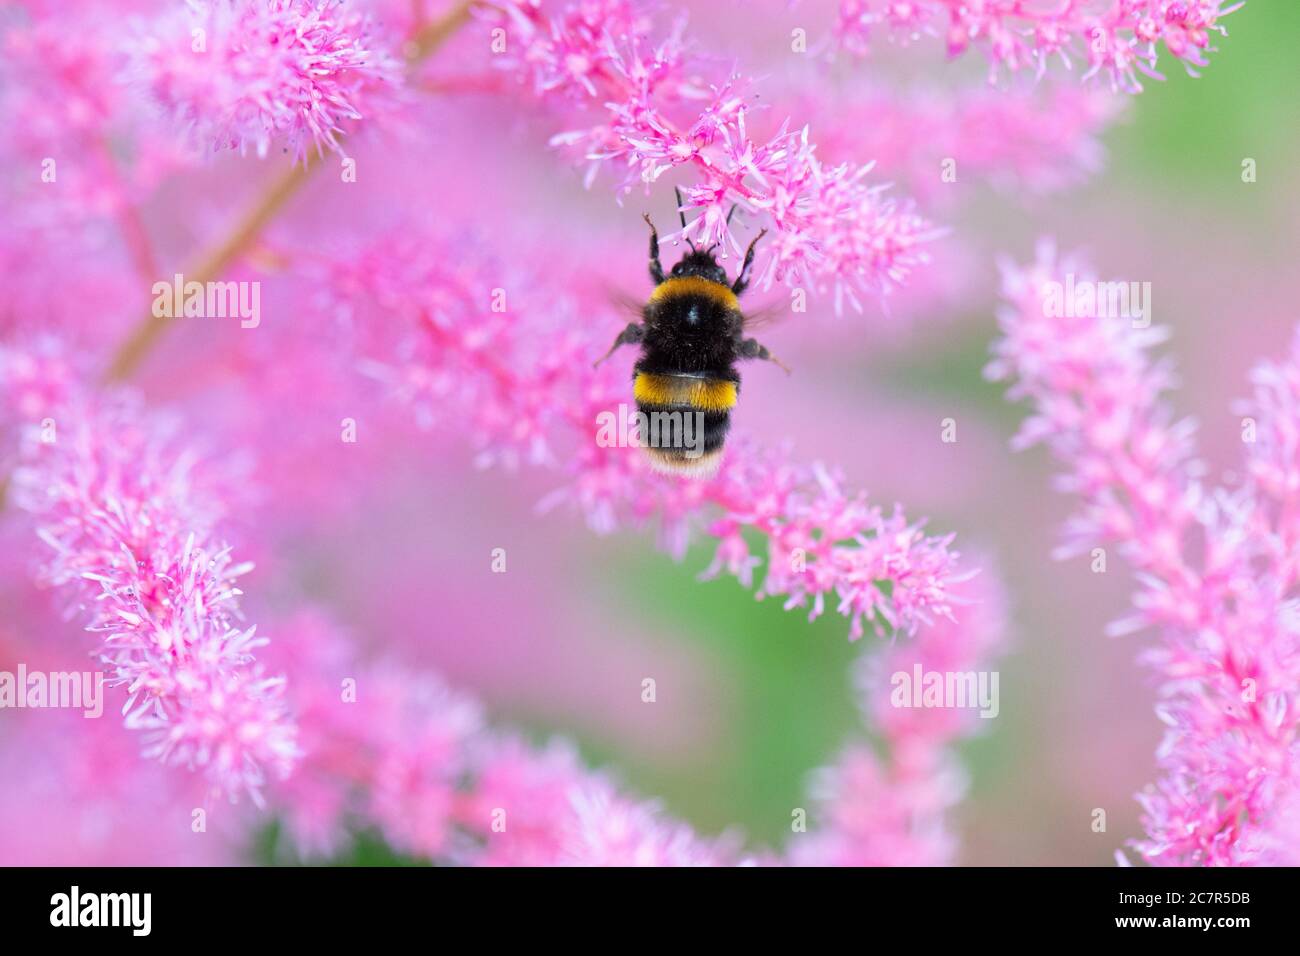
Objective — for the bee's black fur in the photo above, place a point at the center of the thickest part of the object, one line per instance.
(691, 333)
(701, 263)
(693, 330)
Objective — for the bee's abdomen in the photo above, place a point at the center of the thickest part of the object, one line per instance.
(699, 392)
(688, 417)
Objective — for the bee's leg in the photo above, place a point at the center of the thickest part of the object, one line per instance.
(742, 281)
(629, 336)
(656, 270)
(750, 348)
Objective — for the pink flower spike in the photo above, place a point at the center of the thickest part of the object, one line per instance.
(636, 107)
(240, 74)
(409, 757)
(890, 804)
(129, 524)
(1215, 567)
(1118, 38)
(610, 830)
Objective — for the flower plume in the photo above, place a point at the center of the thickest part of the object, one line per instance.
(1116, 38)
(831, 228)
(240, 74)
(1216, 568)
(122, 507)
(889, 804)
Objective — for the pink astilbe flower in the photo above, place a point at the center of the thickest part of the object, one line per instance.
(397, 750)
(524, 389)
(610, 830)
(875, 817)
(1273, 457)
(381, 747)
(416, 772)
(1217, 568)
(889, 805)
(1120, 38)
(825, 544)
(129, 523)
(57, 91)
(541, 807)
(1096, 396)
(648, 110)
(69, 118)
(529, 790)
(1040, 141)
(240, 74)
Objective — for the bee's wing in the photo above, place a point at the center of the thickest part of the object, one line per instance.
(765, 315)
(625, 302)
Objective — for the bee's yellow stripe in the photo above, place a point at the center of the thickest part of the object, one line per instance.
(695, 285)
(706, 394)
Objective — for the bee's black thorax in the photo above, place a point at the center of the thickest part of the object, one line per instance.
(689, 333)
(692, 321)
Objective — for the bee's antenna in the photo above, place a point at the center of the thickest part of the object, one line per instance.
(742, 280)
(681, 214)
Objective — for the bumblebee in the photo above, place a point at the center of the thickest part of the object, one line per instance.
(691, 334)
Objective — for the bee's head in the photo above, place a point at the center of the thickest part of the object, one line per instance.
(700, 263)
